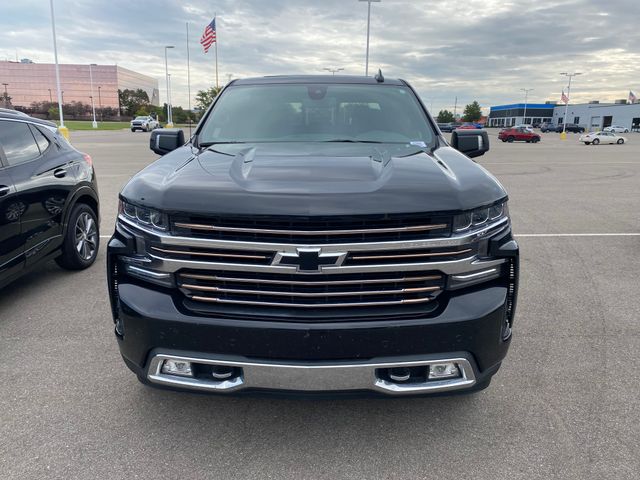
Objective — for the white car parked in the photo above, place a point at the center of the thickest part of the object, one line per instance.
(602, 137)
(616, 129)
(146, 124)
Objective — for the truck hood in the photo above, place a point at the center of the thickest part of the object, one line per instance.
(313, 179)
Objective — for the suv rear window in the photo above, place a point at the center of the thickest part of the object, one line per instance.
(317, 113)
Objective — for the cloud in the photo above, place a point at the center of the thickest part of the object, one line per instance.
(471, 49)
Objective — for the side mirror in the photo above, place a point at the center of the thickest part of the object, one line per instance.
(166, 140)
(473, 143)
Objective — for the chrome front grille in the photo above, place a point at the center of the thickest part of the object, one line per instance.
(315, 291)
(316, 230)
(315, 281)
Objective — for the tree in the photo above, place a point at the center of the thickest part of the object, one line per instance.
(445, 116)
(132, 100)
(6, 99)
(204, 98)
(472, 112)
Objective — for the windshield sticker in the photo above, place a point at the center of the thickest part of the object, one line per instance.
(418, 143)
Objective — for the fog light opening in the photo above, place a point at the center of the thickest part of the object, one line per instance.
(439, 371)
(177, 367)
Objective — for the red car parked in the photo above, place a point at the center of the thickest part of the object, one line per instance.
(519, 134)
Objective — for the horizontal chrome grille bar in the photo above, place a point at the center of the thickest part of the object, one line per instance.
(168, 240)
(352, 293)
(318, 305)
(409, 255)
(196, 276)
(267, 231)
(210, 254)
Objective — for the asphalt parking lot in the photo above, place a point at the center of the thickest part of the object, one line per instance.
(564, 405)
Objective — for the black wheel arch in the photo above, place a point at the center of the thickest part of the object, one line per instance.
(86, 195)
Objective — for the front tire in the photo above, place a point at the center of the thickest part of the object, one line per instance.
(620, 141)
(133, 130)
(81, 239)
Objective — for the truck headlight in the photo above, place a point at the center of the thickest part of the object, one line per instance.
(144, 216)
(479, 217)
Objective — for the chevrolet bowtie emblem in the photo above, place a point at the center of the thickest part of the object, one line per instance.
(309, 259)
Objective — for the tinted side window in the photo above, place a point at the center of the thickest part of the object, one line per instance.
(41, 140)
(17, 142)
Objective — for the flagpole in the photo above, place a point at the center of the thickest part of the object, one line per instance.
(215, 16)
(189, 79)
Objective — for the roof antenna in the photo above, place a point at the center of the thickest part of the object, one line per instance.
(379, 78)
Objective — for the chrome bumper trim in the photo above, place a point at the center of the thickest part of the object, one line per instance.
(330, 377)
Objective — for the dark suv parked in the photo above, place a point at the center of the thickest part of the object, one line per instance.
(571, 127)
(48, 199)
(316, 234)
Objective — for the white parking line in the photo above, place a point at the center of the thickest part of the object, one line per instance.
(577, 235)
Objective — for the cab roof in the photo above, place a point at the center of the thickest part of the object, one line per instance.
(315, 79)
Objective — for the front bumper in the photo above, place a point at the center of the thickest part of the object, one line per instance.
(320, 357)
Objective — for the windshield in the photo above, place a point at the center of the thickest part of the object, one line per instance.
(317, 113)
(142, 118)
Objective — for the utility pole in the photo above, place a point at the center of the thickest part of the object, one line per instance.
(50, 98)
(100, 101)
(526, 97)
(366, 65)
(93, 105)
(62, 128)
(455, 110)
(166, 72)
(566, 105)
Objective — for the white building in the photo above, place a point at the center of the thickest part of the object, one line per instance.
(596, 116)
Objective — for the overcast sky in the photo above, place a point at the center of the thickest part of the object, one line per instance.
(485, 50)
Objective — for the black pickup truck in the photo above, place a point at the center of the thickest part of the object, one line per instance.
(316, 234)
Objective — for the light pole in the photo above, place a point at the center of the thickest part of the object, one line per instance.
(333, 70)
(50, 98)
(526, 97)
(6, 96)
(100, 102)
(366, 65)
(62, 128)
(93, 106)
(166, 71)
(566, 105)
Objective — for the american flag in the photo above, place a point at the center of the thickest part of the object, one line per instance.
(209, 35)
(632, 97)
(564, 98)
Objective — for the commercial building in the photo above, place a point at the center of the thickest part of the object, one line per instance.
(593, 116)
(27, 83)
(596, 116)
(519, 114)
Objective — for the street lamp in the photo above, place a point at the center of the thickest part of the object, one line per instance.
(166, 71)
(333, 70)
(526, 96)
(100, 102)
(366, 67)
(566, 105)
(62, 128)
(93, 106)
